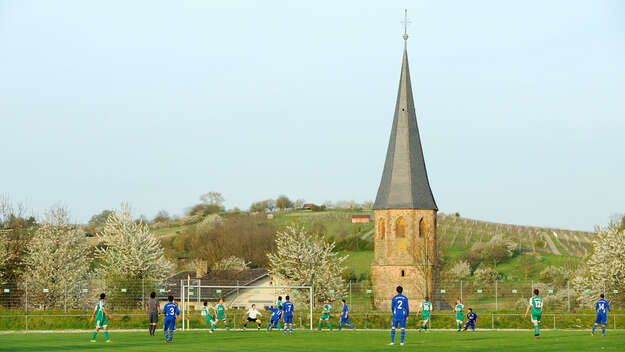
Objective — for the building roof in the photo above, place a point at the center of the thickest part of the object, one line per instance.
(404, 183)
(213, 278)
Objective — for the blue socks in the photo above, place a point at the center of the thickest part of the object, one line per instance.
(392, 335)
(594, 327)
(290, 327)
(166, 335)
(603, 330)
(403, 333)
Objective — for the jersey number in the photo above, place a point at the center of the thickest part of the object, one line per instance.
(399, 304)
(171, 311)
(538, 304)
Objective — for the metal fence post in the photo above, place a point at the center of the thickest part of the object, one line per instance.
(496, 301)
(568, 295)
(554, 321)
(310, 292)
(182, 301)
(350, 292)
(142, 292)
(26, 304)
(65, 298)
(366, 316)
(461, 291)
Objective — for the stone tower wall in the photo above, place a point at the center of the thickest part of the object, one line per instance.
(405, 254)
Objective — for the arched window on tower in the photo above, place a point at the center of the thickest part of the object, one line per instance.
(400, 227)
(381, 229)
(421, 228)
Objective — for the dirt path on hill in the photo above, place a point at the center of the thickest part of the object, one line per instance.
(552, 245)
(366, 235)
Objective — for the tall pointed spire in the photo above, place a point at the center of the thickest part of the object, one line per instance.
(404, 183)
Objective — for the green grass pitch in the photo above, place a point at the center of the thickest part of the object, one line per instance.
(190, 341)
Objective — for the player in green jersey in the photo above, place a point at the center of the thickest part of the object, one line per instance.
(208, 316)
(459, 314)
(325, 315)
(220, 311)
(100, 314)
(536, 305)
(425, 308)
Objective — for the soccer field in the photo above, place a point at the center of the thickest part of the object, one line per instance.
(191, 341)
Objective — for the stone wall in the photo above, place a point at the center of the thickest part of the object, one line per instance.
(405, 254)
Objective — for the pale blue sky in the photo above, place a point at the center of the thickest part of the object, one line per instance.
(521, 106)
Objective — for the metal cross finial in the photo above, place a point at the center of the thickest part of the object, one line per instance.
(406, 22)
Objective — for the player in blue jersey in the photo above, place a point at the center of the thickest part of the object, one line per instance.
(471, 320)
(287, 315)
(602, 307)
(276, 314)
(170, 311)
(399, 307)
(344, 317)
(279, 306)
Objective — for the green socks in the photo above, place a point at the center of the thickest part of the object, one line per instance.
(458, 326)
(95, 332)
(321, 324)
(536, 330)
(212, 327)
(106, 334)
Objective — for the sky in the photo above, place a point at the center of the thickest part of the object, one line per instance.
(520, 105)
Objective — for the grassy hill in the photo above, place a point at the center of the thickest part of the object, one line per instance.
(541, 247)
(456, 236)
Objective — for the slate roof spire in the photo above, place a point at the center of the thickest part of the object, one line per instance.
(404, 183)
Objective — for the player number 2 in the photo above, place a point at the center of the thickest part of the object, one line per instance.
(399, 304)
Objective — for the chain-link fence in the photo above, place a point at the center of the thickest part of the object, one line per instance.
(500, 304)
(496, 296)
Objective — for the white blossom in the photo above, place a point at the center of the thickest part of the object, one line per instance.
(6, 254)
(129, 250)
(604, 269)
(231, 263)
(485, 275)
(305, 259)
(57, 260)
(460, 270)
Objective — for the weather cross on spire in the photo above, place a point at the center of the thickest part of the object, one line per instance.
(406, 22)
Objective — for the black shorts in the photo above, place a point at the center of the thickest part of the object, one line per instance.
(252, 319)
(153, 317)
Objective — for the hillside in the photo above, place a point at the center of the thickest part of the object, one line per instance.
(539, 247)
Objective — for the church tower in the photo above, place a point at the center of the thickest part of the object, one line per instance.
(404, 210)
